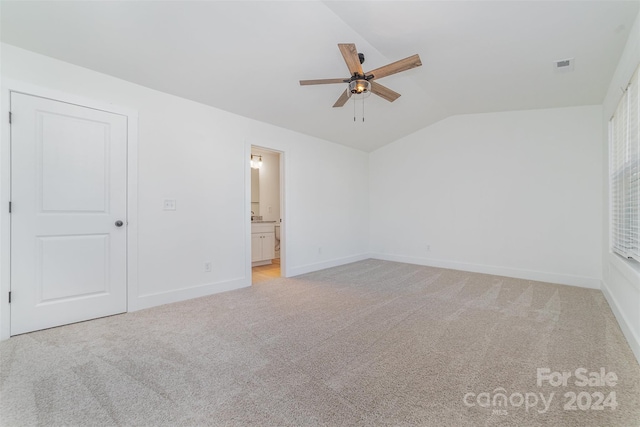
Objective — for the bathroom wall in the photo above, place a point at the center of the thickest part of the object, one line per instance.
(269, 183)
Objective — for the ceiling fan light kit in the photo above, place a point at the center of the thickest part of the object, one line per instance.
(360, 87)
(361, 83)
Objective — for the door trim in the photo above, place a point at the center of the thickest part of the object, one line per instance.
(9, 86)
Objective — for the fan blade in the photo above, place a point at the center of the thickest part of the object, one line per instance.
(321, 81)
(343, 98)
(384, 92)
(350, 55)
(396, 67)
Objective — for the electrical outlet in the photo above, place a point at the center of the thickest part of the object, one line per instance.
(207, 267)
(169, 205)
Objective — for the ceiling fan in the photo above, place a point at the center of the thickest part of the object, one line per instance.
(361, 82)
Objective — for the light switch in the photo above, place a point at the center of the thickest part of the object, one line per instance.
(169, 205)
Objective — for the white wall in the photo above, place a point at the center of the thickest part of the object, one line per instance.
(621, 278)
(331, 202)
(199, 156)
(513, 193)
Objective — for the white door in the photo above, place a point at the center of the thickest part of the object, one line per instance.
(68, 220)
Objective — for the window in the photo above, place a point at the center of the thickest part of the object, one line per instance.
(624, 173)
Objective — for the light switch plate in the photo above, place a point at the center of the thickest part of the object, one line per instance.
(169, 205)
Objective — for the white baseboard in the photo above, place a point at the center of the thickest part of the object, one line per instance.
(153, 300)
(630, 335)
(309, 268)
(562, 279)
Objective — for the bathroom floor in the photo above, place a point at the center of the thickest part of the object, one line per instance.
(266, 272)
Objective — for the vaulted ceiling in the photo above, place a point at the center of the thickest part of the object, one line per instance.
(247, 57)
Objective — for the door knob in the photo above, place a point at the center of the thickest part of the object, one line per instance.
(119, 223)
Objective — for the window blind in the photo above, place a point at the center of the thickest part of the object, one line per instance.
(624, 173)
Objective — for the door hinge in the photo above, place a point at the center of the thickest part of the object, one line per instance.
(9, 207)
(9, 297)
(10, 116)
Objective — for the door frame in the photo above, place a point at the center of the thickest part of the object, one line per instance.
(247, 207)
(9, 86)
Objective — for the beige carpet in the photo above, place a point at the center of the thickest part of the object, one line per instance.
(370, 343)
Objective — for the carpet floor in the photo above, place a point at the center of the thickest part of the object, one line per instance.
(369, 343)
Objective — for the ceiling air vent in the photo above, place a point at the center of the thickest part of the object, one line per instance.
(563, 65)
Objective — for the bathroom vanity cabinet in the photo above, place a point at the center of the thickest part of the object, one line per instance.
(263, 243)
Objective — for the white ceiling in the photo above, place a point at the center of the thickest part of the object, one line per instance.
(247, 57)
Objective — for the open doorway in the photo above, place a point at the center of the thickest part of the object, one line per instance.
(266, 217)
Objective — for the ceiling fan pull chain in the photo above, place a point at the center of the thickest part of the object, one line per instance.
(363, 110)
(354, 109)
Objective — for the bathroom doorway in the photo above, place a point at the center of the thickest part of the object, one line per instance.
(266, 214)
